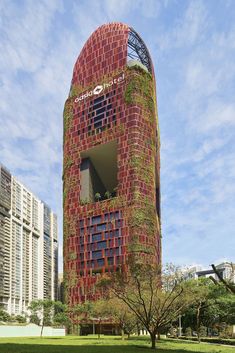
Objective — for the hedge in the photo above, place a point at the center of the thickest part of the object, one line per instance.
(212, 340)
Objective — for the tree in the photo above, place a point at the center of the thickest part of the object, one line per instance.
(80, 312)
(100, 312)
(221, 308)
(43, 311)
(97, 197)
(4, 316)
(61, 315)
(107, 195)
(115, 310)
(201, 290)
(156, 299)
(212, 306)
(121, 313)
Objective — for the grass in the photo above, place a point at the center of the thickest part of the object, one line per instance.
(107, 344)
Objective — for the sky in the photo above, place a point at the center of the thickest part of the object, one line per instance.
(192, 44)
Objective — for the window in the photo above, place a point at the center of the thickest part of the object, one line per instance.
(96, 237)
(110, 260)
(101, 245)
(101, 227)
(100, 262)
(116, 214)
(118, 223)
(96, 219)
(96, 254)
(99, 99)
(119, 241)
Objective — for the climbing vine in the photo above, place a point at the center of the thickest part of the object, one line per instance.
(142, 217)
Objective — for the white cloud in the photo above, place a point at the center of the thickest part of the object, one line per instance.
(218, 114)
(186, 29)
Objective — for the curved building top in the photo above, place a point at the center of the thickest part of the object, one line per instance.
(110, 48)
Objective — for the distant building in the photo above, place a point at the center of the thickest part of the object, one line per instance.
(61, 287)
(28, 246)
(226, 269)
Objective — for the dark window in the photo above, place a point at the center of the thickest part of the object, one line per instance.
(97, 237)
(96, 220)
(118, 223)
(101, 245)
(110, 260)
(116, 232)
(101, 227)
(100, 262)
(101, 110)
(97, 125)
(90, 229)
(96, 254)
(99, 99)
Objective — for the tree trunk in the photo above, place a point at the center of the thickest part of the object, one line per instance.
(128, 335)
(41, 330)
(153, 340)
(198, 322)
(158, 336)
(99, 328)
(122, 334)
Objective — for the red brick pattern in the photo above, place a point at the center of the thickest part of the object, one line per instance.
(104, 52)
(98, 236)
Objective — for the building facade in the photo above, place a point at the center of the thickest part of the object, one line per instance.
(111, 161)
(28, 247)
(225, 269)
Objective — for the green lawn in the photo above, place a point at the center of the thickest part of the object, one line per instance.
(89, 344)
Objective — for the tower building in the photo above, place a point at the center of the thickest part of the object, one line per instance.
(28, 247)
(111, 161)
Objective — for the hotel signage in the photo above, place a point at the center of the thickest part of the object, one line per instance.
(100, 88)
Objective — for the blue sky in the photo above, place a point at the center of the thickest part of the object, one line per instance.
(192, 44)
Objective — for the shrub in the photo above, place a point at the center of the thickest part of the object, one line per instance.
(203, 331)
(188, 332)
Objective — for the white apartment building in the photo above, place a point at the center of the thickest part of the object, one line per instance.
(28, 247)
(226, 270)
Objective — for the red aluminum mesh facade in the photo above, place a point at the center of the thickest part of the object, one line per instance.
(99, 236)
